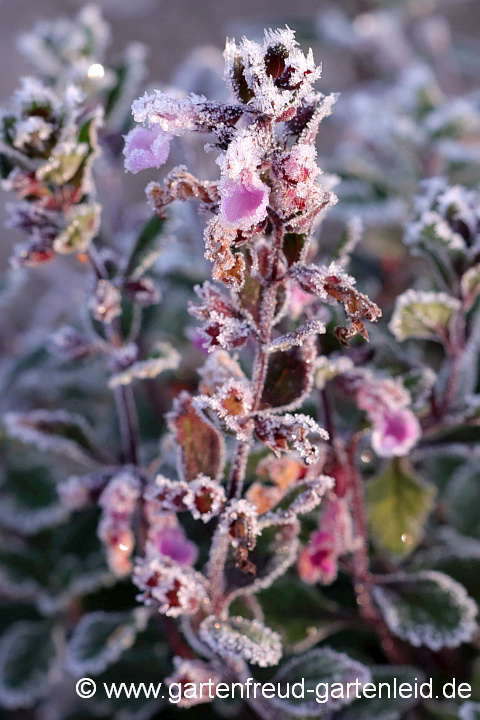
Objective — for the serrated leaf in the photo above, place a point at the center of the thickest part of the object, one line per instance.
(324, 674)
(289, 378)
(238, 637)
(57, 431)
(302, 497)
(427, 608)
(29, 501)
(423, 315)
(398, 504)
(27, 657)
(201, 446)
(99, 639)
(388, 704)
(164, 357)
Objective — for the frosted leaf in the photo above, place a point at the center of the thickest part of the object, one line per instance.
(427, 608)
(300, 499)
(238, 637)
(445, 217)
(100, 639)
(289, 377)
(105, 303)
(223, 325)
(56, 431)
(180, 184)
(218, 369)
(331, 284)
(207, 498)
(80, 491)
(232, 404)
(200, 445)
(282, 432)
(165, 357)
(228, 267)
(328, 368)
(64, 162)
(27, 663)
(167, 496)
(192, 676)
(171, 588)
(203, 496)
(272, 77)
(275, 551)
(298, 336)
(83, 226)
(70, 344)
(423, 315)
(322, 667)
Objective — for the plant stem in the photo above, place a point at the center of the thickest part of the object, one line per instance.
(124, 400)
(260, 366)
(127, 417)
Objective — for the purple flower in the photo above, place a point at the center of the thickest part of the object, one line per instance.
(244, 201)
(146, 148)
(395, 432)
(172, 542)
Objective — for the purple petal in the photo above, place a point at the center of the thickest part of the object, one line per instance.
(244, 203)
(146, 148)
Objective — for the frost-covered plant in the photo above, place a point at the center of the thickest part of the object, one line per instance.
(238, 531)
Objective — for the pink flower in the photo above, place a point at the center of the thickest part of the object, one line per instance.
(244, 201)
(146, 148)
(299, 300)
(172, 542)
(395, 432)
(395, 428)
(317, 562)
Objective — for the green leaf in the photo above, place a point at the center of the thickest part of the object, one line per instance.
(60, 432)
(323, 674)
(423, 315)
(387, 704)
(144, 243)
(27, 658)
(463, 500)
(146, 662)
(299, 630)
(200, 444)
(83, 226)
(398, 504)
(29, 501)
(289, 378)
(293, 245)
(238, 637)
(100, 638)
(427, 608)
